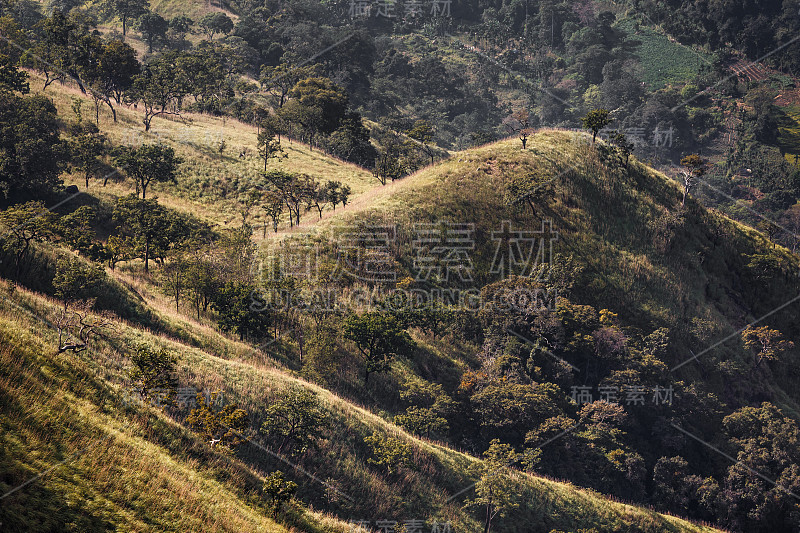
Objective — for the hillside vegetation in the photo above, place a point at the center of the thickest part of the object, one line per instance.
(120, 449)
(282, 267)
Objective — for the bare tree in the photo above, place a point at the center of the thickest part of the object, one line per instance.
(695, 168)
(77, 326)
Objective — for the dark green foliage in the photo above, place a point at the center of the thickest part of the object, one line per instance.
(767, 444)
(31, 151)
(379, 338)
(214, 23)
(76, 231)
(317, 105)
(153, 374)
(153, 27)
(87, 148)
(74, 279)
(350, 141)
(161, 83)
(127, 10)
(279, 491)
(676, 488)
(233, 303)
(145, 221)
(337, 193)
(25, 225)
(149, 163)
(753, 28)
(623, 146)
(295, 421)
(11, 78)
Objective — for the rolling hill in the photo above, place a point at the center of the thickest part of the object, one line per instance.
(78, 456)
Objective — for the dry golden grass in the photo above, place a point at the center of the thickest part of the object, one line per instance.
(210, 184)
(145, 458)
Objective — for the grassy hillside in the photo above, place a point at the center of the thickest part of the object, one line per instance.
(211, 183)
(134, 467)
(106, 464)
(620, 222)
(641, 255)
(89, 462)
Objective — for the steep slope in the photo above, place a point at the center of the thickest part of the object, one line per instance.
(642, 254)
(77, 456)
(212, 181)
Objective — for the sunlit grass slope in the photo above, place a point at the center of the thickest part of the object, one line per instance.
(210, 184)
(641, 254)
(133, 468)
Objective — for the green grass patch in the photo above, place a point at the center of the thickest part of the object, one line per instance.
(663, 61)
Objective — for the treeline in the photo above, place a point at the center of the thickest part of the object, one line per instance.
(209, 77)
(755, 28)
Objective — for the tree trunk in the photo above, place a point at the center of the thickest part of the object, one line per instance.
(113, 111)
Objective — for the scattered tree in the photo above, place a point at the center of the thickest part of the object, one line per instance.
(596, 120)
(269, 146)
(214, 23)
(273, 208)
(422, 132)
(153, 374)
(295, 420)
(153, 27)
(145, 221)
(87, 148)
(127, 10)
(767, 343)
(495, 489)
(390, 452)
(694, 168)
(317, 105)
(77, 326)
(281, 79)
(519, 123)
(224, 427)
(160, 87)
(232, 302)
(379, 338)
(279, 491)
(149, 163)
(31, 150)
(623, 147)
(422, 421)
(25, 224)
(74, 279)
